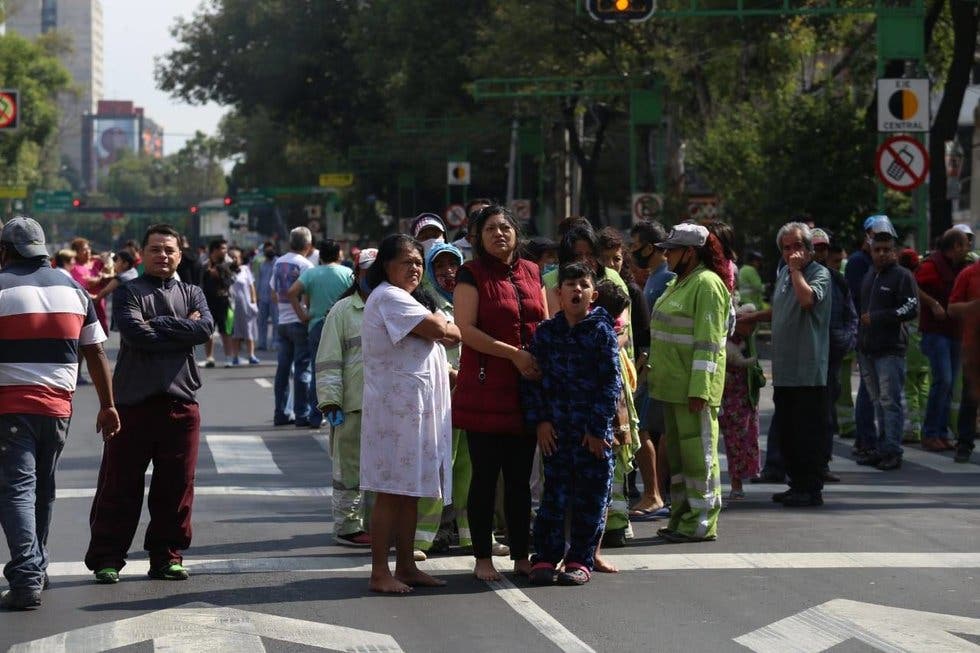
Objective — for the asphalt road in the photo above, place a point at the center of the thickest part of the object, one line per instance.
(890, 563)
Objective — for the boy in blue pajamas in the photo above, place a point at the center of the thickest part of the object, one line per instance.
(573, 408)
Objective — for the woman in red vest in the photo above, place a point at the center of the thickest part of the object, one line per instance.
(498, 303)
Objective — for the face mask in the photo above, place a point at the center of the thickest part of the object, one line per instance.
(363, 285)
(641, 261)
(428, 243)
(681, 267)
(269, 254)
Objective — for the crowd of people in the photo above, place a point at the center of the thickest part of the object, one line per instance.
(488, 387)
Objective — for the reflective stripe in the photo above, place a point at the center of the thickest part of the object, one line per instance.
(618, 506)
(679, 338)
(705, 366)
(677, 479)
(672, 320)
(424, 536)
(352, 342)
(709, 485)
(464, 533)
(698, 486)
(326, 366)
(704, 345)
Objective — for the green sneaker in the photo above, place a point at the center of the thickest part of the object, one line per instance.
(107, 576)
(169, 571)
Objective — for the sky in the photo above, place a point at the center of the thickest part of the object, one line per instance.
(136, 31)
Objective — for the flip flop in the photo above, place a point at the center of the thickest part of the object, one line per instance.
(649, 514)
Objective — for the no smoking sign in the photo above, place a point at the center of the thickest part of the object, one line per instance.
(902, 163)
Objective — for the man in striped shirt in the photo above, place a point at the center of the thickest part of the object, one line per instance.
(45, 320)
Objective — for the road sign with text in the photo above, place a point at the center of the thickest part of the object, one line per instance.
(903, 105)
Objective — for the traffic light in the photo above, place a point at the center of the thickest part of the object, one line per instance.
(616, 11)
(229, 200)
(194, 209)
(76, 203)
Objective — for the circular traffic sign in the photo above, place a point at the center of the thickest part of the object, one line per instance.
(902, 163)
(455, 215)
(8, 110)
(646, 206)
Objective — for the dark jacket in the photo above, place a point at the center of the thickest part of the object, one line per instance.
(843, 317)
(858, 264)
(580, 382)
(891, 298)
(157, 338)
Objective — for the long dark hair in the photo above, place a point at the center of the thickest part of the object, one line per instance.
(388, 251)
(712, 255)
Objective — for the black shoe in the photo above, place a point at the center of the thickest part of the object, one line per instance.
(802, 499)
(285, 421)
(769, 476)
(20, 599)
(830, 477)
(888, 463)
(779, 496)
(962, 455)
(614, 539)
(869, 460)
(304, 424)
(676, 537)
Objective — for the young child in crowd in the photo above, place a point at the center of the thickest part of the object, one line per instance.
(573, 409)
(738, 419)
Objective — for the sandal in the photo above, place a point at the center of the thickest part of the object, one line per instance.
(574, 574)
(736, 495)
(542, 573)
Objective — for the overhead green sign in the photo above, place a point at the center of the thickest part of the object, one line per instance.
(52, 200)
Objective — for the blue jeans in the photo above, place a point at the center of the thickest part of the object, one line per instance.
(944, 362)
(865, 436)
(884, 377)
(294, 352)
(316, 328)
(29, 449)
(268, 312)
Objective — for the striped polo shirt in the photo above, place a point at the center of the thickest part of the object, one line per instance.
(44, 318)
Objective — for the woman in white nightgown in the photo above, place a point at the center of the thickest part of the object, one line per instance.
(406, 428)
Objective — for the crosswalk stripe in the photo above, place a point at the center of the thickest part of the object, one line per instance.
(263, 383)
(219, 490)
(636, 562)
(937, 462)
(241, 454)
(323, 439)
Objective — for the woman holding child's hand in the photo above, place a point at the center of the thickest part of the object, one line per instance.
(498, 303)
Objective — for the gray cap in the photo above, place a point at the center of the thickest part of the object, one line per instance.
(685, 235)
(26, 235)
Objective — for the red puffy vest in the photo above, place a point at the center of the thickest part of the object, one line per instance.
(487, 396)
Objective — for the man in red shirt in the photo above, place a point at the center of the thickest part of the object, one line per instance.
(940, 333)
(964, 304)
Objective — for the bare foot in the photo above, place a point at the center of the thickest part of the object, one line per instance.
(484, 570)
(604, 567)
(522, 567)
(388, 585)
(645, 505)
(418, 578)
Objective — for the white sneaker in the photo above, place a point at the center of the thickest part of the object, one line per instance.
(419, 555)
(499, 549)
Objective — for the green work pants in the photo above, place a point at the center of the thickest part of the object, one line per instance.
(431, 511)
(345, 454)
(695, 481)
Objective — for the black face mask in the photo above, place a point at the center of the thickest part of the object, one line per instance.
(682, 266)
(641, 261)
(269, 254)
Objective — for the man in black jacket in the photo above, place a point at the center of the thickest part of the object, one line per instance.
(889, 299)
(160, 320)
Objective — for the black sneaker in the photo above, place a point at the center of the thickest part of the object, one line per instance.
(769, 476)
(168, 571)
(830, 477)
(962, 455)
(889, 463)
(19, 599)
(779, 496)
(614, 539)
(802, 499)
(869, 460)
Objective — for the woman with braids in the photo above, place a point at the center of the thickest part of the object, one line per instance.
(688, 330)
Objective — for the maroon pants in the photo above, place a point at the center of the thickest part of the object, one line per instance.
(167, 431)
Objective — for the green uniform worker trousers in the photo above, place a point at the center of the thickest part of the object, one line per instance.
(345, 454)
(695, 481)
(430, 511)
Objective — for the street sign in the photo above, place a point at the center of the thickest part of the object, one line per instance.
(13, 192)
(647, 206)
(337, 179)
(9, 108)
(458, 173)
(878, 627)
(455, 215)
(902, 163)
(903, 105)
(52, 200)
(248, 199)
(206, 627)
(521, 210)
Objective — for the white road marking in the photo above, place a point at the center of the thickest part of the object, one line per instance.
(766, 489)
(626, 563)
(263, 383)
(241, 454)
(200, 627)
(937, 462)
(881, 627)
(220, 490)
(539, 619)
(323, 439)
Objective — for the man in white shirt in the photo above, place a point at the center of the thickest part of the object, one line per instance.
(294, 344)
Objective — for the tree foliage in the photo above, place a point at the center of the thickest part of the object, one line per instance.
(773, 112)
